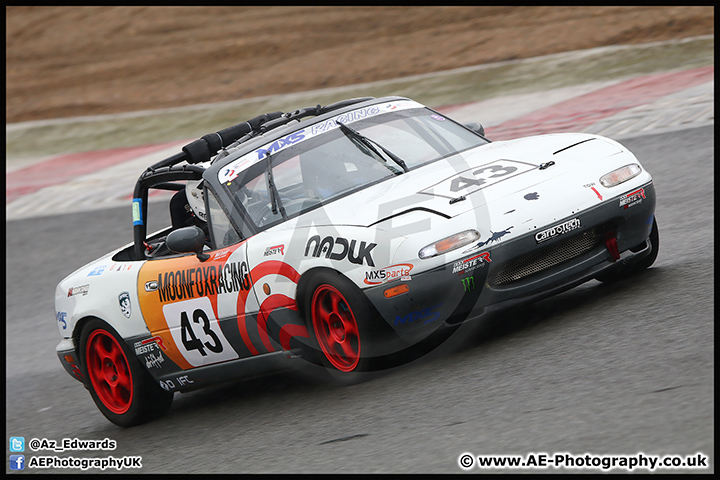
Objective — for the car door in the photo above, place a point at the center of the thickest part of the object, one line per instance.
(196, 307)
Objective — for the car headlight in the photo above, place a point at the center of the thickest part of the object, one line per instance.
(623, 174)
(449, 244)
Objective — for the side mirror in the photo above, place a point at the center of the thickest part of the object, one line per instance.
(186, 240)
(475, 127)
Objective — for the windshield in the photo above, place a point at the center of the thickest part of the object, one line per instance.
(338, 161)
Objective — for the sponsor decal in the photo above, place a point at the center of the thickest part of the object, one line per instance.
(470, 264)
(427, 315)
(633, 198)
(280, 143)
(97, 271)
(220, 254)
(394, 272)
(81, 290)
(119, 267)
(274, 250)
(557, 230)
(154, 361)
(137, 211)
(155, 339)
(231, 171)
(494, 237)
(170, 384)
(149, 345)
(345, 118)
(124, 299)
(339, 248)
(532, 196)
(62, 318)
(437, 117)
(203, 281)
(468, 284)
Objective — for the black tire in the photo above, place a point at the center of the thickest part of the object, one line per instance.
(621, 272)
(345, 328)
(121, 387)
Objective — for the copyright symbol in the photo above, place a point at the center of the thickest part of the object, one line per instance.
(34, 444)
(466, 461)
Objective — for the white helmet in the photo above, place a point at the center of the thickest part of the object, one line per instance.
(196, 198)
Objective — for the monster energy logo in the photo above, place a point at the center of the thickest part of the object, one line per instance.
(468, 284)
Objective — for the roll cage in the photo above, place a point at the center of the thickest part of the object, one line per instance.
(183, 166)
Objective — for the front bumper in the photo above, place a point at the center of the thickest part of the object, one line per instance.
(524, 269)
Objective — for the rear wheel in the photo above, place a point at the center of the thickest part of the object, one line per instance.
(121, 388)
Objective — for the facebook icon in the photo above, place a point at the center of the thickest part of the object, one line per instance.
(17, 462)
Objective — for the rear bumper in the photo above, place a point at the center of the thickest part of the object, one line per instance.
(69, 359)
(541, 263)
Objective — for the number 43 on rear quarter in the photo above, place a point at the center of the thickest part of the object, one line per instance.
(345, 236)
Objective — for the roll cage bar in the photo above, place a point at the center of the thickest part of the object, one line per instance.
(160, 174)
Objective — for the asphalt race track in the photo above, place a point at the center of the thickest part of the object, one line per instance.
(621, 369)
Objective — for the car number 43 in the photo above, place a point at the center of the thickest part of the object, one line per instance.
(196, 332)
(474, 179)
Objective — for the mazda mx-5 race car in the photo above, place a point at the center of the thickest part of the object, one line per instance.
(343, 235)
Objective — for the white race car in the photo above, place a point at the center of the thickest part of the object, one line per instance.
(343, 235)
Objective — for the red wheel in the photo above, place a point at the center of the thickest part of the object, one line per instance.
(336, 328)
(123, 390)
(348, 336)
(109, 372)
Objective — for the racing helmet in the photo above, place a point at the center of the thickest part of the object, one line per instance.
(196, 198)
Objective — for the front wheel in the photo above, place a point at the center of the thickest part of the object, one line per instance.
(348, 332)
(122, 389)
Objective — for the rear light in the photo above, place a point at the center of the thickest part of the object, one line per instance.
(449, 244)
(623, 174)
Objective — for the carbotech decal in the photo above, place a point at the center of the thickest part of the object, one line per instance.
(558, 230)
